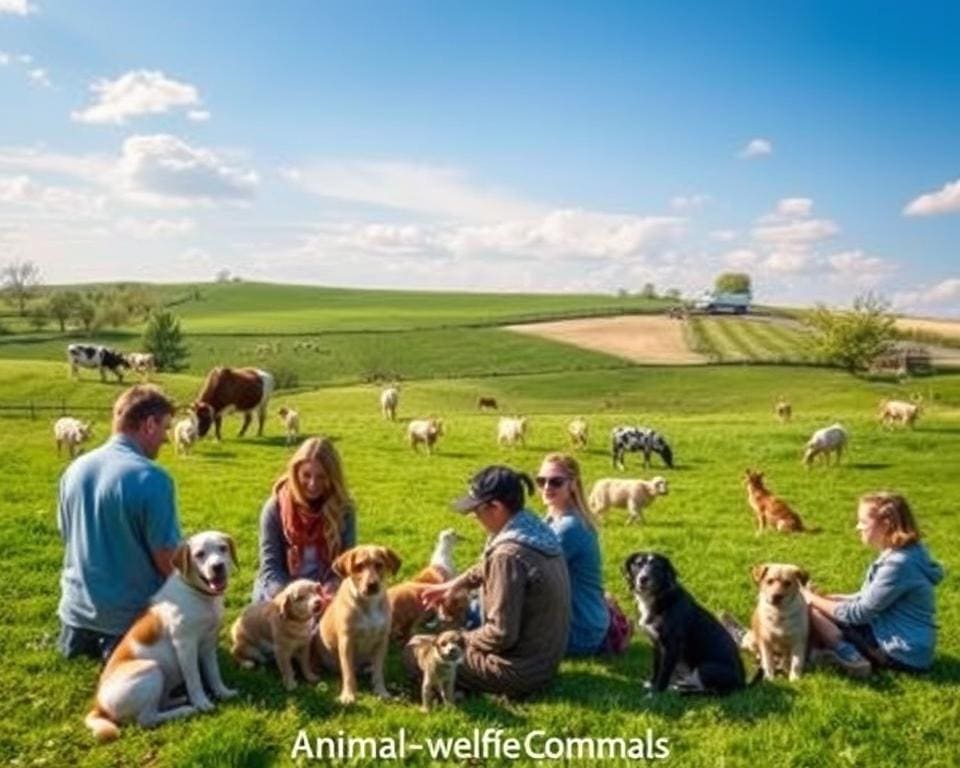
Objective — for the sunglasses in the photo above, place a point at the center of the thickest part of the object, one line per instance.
(556, 481)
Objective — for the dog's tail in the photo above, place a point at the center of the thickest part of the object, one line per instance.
(103, 728)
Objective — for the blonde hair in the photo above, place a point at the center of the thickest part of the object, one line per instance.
(139, 403)
(335, 501)
(571, 468)
(893, 511)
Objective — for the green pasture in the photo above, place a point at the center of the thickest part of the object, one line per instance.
(719, 421)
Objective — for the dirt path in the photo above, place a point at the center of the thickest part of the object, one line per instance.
(942, 327)
(651, 339)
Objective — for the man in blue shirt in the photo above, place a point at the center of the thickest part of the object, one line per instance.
(118, 520)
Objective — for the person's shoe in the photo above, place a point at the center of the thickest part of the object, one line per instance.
(845, 657)
(734, 628)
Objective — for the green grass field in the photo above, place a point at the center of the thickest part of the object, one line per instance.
(719, 421)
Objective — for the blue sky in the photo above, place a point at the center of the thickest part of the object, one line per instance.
(500, 145)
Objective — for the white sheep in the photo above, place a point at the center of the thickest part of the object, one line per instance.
(512, 430)
(291, 423)
(389, 398)
(832, 439)
(72, 433)
(185, 433)
(425, 431)
(633, 495)
(899, 412)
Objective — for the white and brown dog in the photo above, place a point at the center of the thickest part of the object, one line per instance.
(780, 630)
(172, 643)
(438, 657)
(632, 494)
(355, 628)
(280, 628)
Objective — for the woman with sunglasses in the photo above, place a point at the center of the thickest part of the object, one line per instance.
(597, 625)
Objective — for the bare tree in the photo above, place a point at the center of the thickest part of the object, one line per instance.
(20, 282)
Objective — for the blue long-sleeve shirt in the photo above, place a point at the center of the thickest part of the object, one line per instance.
(273, 574)
(897, 602)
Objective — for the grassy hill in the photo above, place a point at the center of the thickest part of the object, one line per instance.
(719, 421)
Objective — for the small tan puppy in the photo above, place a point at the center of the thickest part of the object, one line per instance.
(438, 657)
(291, 423)
(633, 495)
(409, 614)
(579, 433)
(281, 628)
(780, 629)
(355, 628)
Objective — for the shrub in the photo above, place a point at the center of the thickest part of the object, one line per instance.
(164, 339)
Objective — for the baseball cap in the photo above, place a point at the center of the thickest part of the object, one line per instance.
(494, 483)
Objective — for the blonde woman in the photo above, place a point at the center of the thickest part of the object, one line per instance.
(892, 619)
(306, 523)
(597, 624)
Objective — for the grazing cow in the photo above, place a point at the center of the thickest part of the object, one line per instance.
(242, 389)
(511, 431)
(626, 438)
(577, 430)
(832, 439)
(784, 410)
(424, 431)
(185, 434)
(291, 422)
(95, 356)
(143, 363)
(486, 402)
(72, 433)
(389, 398)
(899, 412)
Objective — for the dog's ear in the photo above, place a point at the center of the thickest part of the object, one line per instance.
(181, 558)
(392, 558)
(758, 572)
(628, 565)
(802, 576)
(420, 641)
(343, 565)
(284, 604)
(232, 546)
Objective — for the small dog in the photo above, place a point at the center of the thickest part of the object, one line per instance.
(281, 628)
(784, 410)
(442, 556)
(769, 509)
(409, 615)
(169, 645)
(578, 431)
(438, 657)
(633, 495)
(685, 637)
(185, 434)
(780, 630)
(355, 628)
(291, 422)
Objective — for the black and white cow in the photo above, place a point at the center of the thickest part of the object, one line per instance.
(95, 356)
(624, 439)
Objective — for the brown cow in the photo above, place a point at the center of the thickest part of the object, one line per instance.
(486, 402)
(226, 389)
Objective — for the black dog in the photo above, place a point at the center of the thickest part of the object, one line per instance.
(683, 633)
(624, 439)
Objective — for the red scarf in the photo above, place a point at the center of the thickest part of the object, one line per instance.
(302, 528)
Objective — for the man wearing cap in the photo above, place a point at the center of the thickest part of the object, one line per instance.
(525, 591)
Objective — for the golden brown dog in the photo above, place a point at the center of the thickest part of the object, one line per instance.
(780, 629)
(408, 613)
(355, 628)
(769, 509)
(438, 657)
(281, 628)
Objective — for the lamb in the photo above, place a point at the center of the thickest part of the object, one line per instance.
(291, 422)
(578, 432)
(425, 431)
(72, 433)
(511, 431)
(143, 363)
(442, 557)
(899, 412)
(389, 398)
(632, 494)
(832, 439)
(185, 433)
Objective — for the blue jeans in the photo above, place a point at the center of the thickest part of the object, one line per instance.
(76, 641)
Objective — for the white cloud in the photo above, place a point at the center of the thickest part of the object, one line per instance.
(154, 229)
(4, 58)
(795, 206)
(17, 7)
(23, 191)
(857, 268)
(789, 262)
(742, 258)
(135, 93)
(945, 291)
(795, 233)
(164, 170)
(689, 202)
(198, 115)
(433, 190)
(757, 148)
(942, 298)
(945, 200)
(724, 235)
(39, 76)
